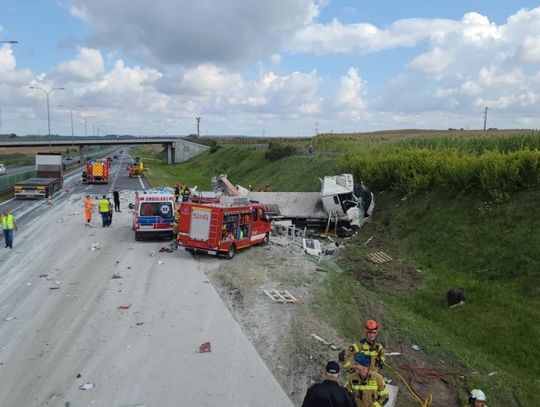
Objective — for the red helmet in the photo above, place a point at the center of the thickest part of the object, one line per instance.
(371, 325)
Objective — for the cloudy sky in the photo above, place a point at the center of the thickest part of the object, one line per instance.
(268, 67)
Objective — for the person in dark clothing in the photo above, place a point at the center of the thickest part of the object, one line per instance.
(329, 393)
(176, 193)
(116, 198)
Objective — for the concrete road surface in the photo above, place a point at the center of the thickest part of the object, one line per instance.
(60, 326)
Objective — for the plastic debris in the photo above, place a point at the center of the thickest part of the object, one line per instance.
(54, 288)
(329, 344)
(44, 276)
(415, 347)
(139, 323)
(393, 354)
(123, 307)
(159, 262)
(95, 246)
(205, 347)
(153, 253)
(9, 318)
(116, 275)
(492, 373)
(87, 386)
(165, 250)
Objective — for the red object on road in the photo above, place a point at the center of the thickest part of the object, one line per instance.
(205, 348)
(123, 307)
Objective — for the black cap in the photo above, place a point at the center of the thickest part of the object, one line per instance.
(332, 367)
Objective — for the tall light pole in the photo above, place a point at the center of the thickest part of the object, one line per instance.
(5, 42)
(198, 118)
(48, 110)
(71, 108)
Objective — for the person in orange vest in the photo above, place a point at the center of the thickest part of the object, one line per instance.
(8, 224)
(88, 205)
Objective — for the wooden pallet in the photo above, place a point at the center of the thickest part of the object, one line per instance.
(379, 257)
(283, 296)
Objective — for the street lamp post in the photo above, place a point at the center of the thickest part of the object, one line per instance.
(71, 108)
(48, 110)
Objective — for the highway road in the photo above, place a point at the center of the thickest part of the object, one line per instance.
(66, 324)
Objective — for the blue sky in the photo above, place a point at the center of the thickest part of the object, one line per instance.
(276, 67)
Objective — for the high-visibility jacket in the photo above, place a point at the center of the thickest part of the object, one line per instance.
(88, 204)
(374, 350)
(103, 206)
(368, 392)
(8, 222)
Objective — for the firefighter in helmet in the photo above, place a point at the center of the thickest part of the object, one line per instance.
(367, 346)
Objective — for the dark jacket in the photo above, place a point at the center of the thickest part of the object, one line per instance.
(116, 196)
(328, 394)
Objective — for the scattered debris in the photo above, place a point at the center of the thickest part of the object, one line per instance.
(153, 253)
(79, 376)
(54, 288)
(159, 262)
(139, 323)
(87, 386)
(165, 250)
(9, 318)
(312, 247)
(455, 297)
(345, 232)
(416, 347)
(95, 246)
(281, 296)
(44, 276)
(367, 241)
(329, 344)
(28, 283)
(123, 307)
(136, 405)
(116, 275)
(379, 257)
(205, 347)
(492, 373)
(393, 354)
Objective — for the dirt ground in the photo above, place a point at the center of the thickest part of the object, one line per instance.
(282, 333)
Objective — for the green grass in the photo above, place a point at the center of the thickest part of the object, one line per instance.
(16, 159)
(439, 240)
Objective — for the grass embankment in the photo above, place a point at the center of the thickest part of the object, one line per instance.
(443, 236)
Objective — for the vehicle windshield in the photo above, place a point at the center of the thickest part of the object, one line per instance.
(161, 209)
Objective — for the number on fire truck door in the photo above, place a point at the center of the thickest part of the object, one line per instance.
(200, 224)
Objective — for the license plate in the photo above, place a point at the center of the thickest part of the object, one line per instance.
(212, 252)
(147, 226)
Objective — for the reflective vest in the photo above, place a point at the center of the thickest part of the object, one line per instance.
(88, 204)
(371, 392)
(7, 222)
(103, 205)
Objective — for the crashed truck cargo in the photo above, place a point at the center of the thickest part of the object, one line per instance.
(340, 199)
(48, 179)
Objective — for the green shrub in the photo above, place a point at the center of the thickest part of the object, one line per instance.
(277, 151)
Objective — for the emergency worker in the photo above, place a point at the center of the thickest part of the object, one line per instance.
(477, 398)
(176, 193)
(88, 205)
(186, 192)
(329, 393)
(8, 225)
(368, 346)
(368, 387)
(103, 206)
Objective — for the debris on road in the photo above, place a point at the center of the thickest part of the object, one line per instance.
(44, 276)
(87, 386)
(123, 307)
(282, 296)
(367, 241)
(165, 250)
(312, 247)
(95, 246)
(416, 347)
(9, 318)
(54, 288)
(116, 275)
(139, 323)
(153, 253)
(205, 347)
(393, 353)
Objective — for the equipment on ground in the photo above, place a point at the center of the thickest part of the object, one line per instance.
(96, 172)
(48, 179)
(222, 228)
(153, 215)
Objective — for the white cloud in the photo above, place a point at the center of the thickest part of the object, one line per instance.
(88, 64)
(7, 60)
(348, 98)
(432, 63)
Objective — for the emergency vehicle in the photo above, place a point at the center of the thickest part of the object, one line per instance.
(153, 215)
(96, 172)
(222, 228)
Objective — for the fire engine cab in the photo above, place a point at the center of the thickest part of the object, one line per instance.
(153, 215)
(222, 228)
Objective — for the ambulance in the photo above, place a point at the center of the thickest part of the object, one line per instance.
(153, 214)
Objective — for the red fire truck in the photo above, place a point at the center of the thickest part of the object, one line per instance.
(222, 228)
(97, 172)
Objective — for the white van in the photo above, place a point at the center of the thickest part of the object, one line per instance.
(2, 169)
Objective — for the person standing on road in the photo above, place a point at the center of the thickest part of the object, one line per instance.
(329, 393)
(8, 224)
(109, 220)
(176, 193)
(88, 205)
(103, 206)
(116, 198)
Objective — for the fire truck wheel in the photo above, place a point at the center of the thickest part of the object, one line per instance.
(137, 236)
(266, 239)
(231, 252)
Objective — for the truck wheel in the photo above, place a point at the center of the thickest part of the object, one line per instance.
(137, 236)
(266, 239)
(231, 252)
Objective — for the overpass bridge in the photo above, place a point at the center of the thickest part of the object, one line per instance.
(177, 150)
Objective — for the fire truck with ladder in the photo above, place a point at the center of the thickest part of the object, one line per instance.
(222, 228)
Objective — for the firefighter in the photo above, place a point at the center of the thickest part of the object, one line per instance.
(367, 346)
(368, 387)
(477, 398)
(186, 192)
(88, 205)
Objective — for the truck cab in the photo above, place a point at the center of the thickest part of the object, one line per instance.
(153, 215)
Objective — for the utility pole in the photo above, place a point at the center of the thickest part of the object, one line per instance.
(485, 118)
(316, 128)
(198, 118)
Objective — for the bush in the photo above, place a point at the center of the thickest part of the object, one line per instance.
(277, 151)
